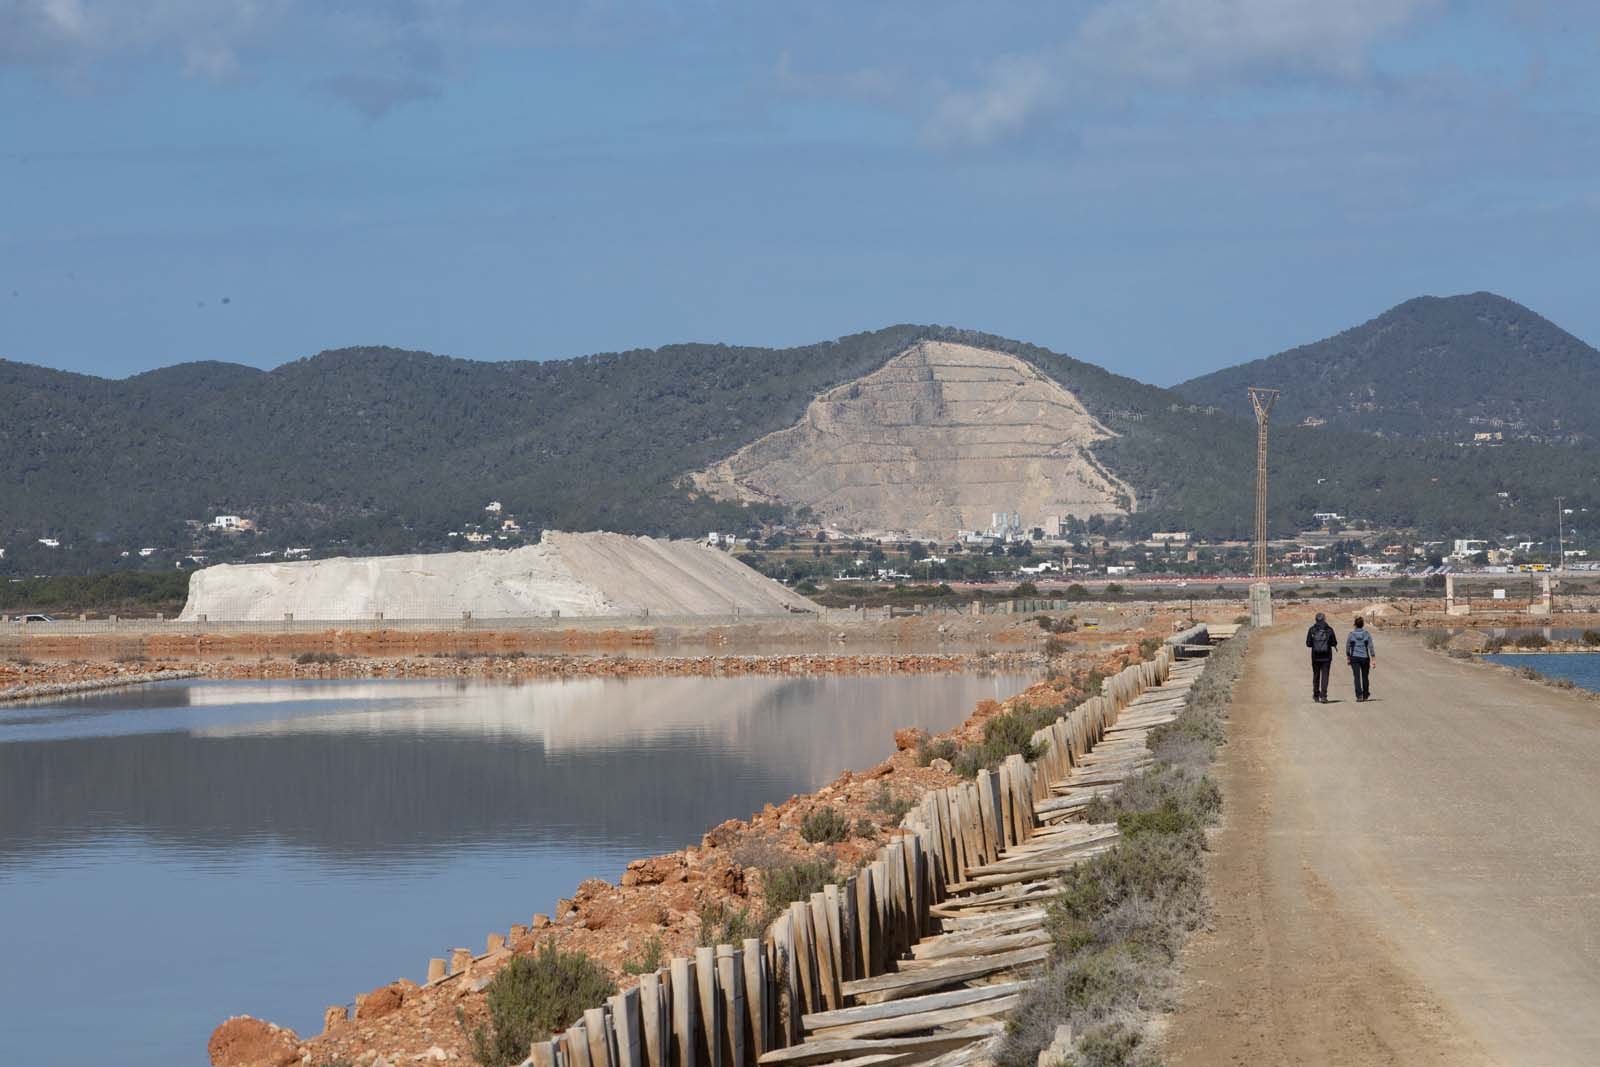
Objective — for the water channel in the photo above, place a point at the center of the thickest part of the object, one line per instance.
(175, 854)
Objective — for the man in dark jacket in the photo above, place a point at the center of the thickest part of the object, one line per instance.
(1321, 640)
(1360, 654)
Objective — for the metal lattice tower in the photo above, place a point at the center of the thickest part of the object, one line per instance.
(1262, 400)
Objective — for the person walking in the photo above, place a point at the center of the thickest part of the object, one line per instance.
(1321, 640)
(1359, 653)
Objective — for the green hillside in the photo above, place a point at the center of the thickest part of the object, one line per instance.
(371, 450)
(1443, 368)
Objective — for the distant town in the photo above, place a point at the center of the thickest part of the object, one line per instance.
(808, 555)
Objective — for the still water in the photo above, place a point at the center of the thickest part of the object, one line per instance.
(1581, 668)
(175, 854)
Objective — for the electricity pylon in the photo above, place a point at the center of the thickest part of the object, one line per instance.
(1262, 400)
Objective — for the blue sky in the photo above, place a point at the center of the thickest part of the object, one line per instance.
(1163, 187)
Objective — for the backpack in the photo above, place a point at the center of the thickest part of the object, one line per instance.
(1320, 638)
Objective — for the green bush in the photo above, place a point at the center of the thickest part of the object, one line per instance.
(1533, 641)
(1077, 592)
(535, 996)
(1025, 589)
(782, 886)
(892, 807)
(318, 657)
(824, 826)
(1591, 637)
(929, 750)
(723, 924)
(651, 955)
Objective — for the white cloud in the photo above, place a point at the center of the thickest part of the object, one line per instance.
(1130, 45)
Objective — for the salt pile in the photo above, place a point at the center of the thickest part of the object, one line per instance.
(577, 575)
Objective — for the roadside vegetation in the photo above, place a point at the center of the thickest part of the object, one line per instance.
(533, 997)
(1122, 916)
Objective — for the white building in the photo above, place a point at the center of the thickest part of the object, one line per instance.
(493, 507)
(1170, 537)
(231, 522)
(49, 542)
(1465, 547)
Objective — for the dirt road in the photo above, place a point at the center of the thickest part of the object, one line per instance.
(1413, 880)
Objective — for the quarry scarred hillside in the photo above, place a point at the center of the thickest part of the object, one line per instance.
(935, 440)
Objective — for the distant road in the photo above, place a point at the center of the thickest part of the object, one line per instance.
(1413, 880)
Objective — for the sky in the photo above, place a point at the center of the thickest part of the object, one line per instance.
(1162, 187)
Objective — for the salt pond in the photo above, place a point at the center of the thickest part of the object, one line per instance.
(181, 852)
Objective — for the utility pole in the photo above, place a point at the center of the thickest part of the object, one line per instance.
(1262, 400)
(1561, 554)
(1261, 591)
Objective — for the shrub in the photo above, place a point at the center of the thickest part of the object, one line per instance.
(1025, 589)
(866, 828)
(1077, 592)
(1056, 646)
(1148, 647)
(824, 825)
(782, 886)
(1533, 641)
(533, 997)
(723, 924)
(929, 750)
(651, 955)
(318, 657)
(1591, 637)
(893, 808)
(1114, 589)
(1495, 644)
(1436, 639)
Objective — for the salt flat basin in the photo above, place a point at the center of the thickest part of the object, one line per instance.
(192, 850)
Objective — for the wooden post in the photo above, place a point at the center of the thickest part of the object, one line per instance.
(597, 1030)
(684, 1021)
(651, 1017)
(866, 910)
(805, 955)
(628, 1023)
(833, 908)
(1008, 819)
(850, 930)
(755, 998)
(711, 1023)
(826, 964)
(543, 1053)
(730, 976)
(791, 1005)
(578, 1047)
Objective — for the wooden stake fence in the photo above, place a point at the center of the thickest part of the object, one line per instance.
(732, 1006)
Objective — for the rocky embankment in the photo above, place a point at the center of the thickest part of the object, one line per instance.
(22, 681)
(516, 667)
(661, 904)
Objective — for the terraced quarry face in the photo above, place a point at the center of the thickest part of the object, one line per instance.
(934, 441)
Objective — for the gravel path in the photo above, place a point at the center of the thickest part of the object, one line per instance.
(1414, 880)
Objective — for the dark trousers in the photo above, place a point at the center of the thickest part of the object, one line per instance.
(1362, 669)
(1319, 676)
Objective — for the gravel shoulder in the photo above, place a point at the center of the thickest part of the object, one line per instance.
(1414, 880)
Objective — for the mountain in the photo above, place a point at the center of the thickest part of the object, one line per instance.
(379, 450)
(1441, 368)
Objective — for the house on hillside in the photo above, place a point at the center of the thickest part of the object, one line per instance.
(231, 524)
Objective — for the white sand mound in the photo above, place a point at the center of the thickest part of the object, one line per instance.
(579, 575)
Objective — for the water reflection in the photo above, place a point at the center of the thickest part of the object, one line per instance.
(244, 828)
